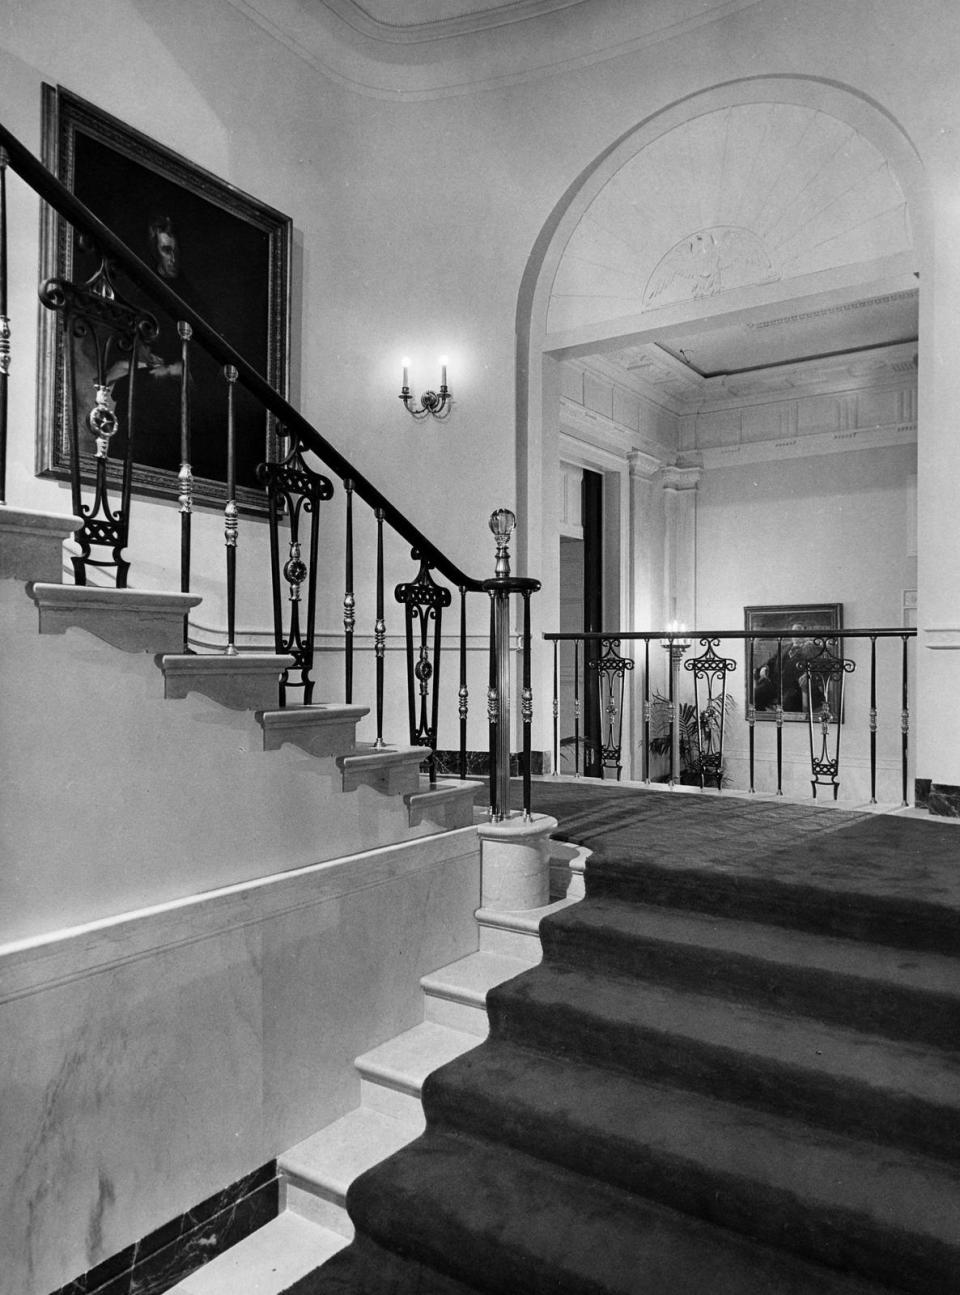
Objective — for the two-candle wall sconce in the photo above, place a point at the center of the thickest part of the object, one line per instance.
(437, 403)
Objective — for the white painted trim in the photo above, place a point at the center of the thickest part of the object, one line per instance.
(807, 444)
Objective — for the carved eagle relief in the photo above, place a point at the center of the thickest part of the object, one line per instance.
(707, 262)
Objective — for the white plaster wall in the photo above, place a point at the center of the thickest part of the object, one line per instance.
(829, 528)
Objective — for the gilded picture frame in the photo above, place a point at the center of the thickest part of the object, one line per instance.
(795, 623)
(233, 257)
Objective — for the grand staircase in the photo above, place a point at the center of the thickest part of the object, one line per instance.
(734, 1079)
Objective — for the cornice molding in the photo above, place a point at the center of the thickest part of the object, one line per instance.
(495, 46)
(809, 444)
(607, 434)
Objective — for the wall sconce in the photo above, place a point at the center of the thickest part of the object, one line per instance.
(437, 403)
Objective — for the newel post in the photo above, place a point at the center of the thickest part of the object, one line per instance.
(499, 692)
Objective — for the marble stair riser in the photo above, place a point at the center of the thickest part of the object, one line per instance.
(731, 1071)
(830, 994)
(572, 1116)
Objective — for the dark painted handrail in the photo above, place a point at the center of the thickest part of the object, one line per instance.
(30, 169)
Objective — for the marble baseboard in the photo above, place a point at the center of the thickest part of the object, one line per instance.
(921, 792)
(168, 1255)
(478, 764)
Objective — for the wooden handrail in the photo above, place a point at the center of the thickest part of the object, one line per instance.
(52, 191)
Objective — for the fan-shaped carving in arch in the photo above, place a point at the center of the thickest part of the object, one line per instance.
(743, 195)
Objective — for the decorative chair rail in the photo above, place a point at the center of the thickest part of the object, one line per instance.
(819, 664)
(114, 333)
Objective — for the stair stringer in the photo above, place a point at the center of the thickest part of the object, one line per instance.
(164, 797)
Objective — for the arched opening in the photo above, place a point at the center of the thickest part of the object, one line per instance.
(725, 304)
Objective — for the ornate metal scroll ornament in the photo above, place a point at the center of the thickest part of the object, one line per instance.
(103, 337)
(709, 668)
(611, 669)
(5, 353)
(294, 491)
(819, 674)
(493, 704)
(423, 601)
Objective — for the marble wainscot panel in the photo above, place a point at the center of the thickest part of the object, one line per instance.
(149, 1059)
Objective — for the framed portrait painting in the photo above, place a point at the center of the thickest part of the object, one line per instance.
(225, 253)
(792, 634)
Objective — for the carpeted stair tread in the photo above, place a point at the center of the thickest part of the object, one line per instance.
(804, 1069)
(844, 1202)
(873, 988)
(506, 1222)
(882, 880)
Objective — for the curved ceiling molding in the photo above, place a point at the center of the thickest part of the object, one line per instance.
(429, 49)
(746, 195)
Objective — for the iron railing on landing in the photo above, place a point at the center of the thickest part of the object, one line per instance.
(113, 336)
(789, 676)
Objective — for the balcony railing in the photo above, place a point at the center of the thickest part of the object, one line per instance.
(681, 697)
(115, 333)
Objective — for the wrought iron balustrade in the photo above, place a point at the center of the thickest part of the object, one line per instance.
(111, 333)
(694, 731)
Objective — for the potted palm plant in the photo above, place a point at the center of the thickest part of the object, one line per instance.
(709, 721)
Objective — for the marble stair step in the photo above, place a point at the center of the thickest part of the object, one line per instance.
(242, 681)
(449, 802)
(392, 1075)
(849, 1204)
(501, 1220)
(872, 988)
(456, 995)
(133, 620)
(317, 1171)
(323, 729)
(900, 1093)
(516, 934)
(392, 770)
(268, 1261)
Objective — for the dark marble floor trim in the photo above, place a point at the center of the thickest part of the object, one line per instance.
(944, 800)
(162, 1259)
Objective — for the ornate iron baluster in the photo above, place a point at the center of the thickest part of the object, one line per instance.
(779, 716)
(576, 708)
(380, 632)
(610, 668)
(108, 332)
(873, 719)
(556, 708)
(295, 491)
(4, 326)
(424, 601)
(185, 476)
(349, 604)
(526, 704)
(708, 668)
(231, 514)
(493, 713)
(904, 720)
(463, 695)
(824, 675)
(646, 710)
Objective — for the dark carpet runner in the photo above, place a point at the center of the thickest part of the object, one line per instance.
(736, 1072)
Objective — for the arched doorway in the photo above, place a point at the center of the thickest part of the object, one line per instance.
(712, 275)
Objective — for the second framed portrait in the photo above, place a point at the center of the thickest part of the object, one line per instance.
(775, 669)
